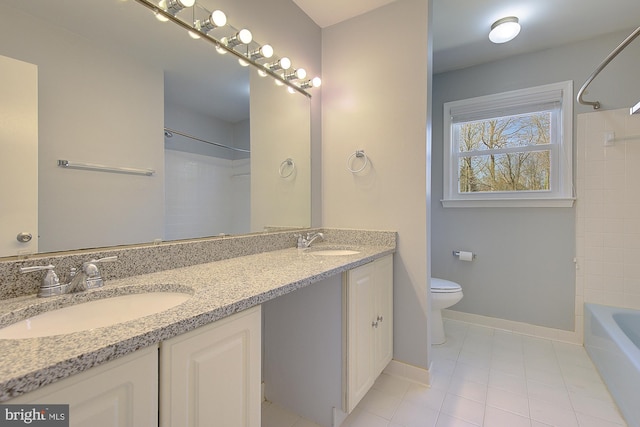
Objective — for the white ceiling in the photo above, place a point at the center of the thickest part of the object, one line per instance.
(460, 27)
(328, 12)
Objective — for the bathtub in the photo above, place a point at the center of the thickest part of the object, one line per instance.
(612, 340)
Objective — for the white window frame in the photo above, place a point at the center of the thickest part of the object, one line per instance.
(509, 103)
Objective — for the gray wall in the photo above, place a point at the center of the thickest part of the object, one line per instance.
(524, 269)
(302, 360)
(368, 105)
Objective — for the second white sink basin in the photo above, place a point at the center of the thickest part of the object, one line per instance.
(93, 314)
(331, 252)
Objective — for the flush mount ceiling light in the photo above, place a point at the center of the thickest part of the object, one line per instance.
(504, 29)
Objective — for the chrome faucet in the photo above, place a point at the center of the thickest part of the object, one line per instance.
(305, 242)
(88, 277)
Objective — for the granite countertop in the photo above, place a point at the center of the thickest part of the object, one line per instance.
(218, 289)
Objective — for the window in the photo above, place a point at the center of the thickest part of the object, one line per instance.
(510, 149)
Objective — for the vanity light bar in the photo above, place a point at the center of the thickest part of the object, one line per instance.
(223, 45)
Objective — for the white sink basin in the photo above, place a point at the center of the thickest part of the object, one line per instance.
(93, 314)
(331, 252)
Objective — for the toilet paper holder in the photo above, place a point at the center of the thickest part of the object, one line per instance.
(457, 254)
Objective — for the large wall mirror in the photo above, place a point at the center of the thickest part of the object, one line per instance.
(116, 87)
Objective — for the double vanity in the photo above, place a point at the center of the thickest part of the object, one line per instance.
(199, 336)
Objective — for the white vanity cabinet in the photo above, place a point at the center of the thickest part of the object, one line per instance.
(211, 376)
(368, 310)
(120, 393)
(207, 377)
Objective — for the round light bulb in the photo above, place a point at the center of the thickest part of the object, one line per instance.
(301, 73)
(187, 3)
(504, 30)
(218, 18)
(316, 82)
(285, 63)
(242, 62)
(245, 36)
(266, 51)
(263, 52)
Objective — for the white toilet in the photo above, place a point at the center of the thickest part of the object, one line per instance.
(444, 294)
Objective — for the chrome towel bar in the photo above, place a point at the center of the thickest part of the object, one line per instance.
(97, 167)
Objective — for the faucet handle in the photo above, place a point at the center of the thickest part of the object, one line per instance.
(93, 276)
(90, 267)
(50, 279)
(50, 283)
(37, 268)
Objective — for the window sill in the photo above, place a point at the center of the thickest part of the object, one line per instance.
(508, 203)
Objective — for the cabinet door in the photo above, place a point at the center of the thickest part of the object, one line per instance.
(368, 305)
(383, 311)
(121, 393)
(359, 333)
(211, 376)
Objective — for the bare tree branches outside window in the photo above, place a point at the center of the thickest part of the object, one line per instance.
(510, 153)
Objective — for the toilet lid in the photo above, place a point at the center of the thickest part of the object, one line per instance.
(442, 286)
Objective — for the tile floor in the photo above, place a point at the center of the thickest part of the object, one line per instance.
(486, 377)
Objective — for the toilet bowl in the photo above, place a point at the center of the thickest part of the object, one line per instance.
(444, 294)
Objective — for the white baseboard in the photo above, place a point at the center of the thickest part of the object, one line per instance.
(338, 417)
(408, 372)
(574, 337)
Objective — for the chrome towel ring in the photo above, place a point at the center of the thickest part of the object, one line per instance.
(358, 154)
(283, 166)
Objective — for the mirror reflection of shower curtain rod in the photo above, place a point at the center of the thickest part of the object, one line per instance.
(168, 132)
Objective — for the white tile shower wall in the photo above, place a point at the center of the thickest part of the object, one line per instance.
(189, 177)
(608, 210)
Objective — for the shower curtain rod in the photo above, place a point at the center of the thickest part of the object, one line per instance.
(168, 132)
(613, 54)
